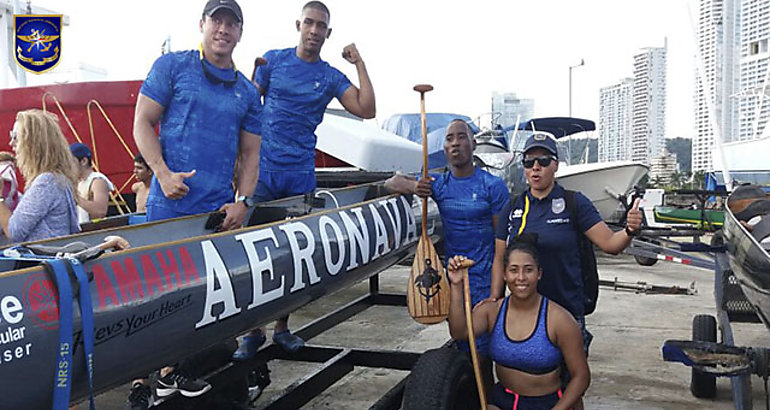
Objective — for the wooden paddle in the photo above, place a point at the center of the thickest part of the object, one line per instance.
(427, 293)
(464, 266)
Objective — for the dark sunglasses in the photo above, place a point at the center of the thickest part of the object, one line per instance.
(214, 79)
(544, 161)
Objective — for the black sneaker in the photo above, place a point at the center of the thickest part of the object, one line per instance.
(139, 398)
(177, 382)
(259, 378)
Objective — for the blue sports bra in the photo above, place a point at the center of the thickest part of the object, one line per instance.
(534, 355)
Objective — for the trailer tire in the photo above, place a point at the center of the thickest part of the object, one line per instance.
(441, 379)
(704, 329)
(645, 261)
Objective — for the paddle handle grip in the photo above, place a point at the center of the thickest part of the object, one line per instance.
(464, 265)
(422, 89)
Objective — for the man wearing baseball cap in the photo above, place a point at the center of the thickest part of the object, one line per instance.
(209, 115)
(93, 187)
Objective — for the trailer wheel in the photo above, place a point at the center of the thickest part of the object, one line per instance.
(704, 329)
(645, 261)
(441, 379)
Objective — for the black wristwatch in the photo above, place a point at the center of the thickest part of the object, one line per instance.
(632, 233)
(246, 201)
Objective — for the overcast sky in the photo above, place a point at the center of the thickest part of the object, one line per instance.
(465, 49)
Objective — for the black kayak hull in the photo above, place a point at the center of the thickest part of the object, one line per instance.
(182, 288)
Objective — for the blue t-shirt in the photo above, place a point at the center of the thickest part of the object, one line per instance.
(200, 128)
(296, 95)
(557, 243)
(467, 206)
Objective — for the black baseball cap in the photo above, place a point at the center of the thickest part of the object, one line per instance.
(212, 6)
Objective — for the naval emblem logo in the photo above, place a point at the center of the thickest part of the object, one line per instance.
(558, 205)
(37, 41)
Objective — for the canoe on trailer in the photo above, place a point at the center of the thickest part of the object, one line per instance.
(669, 214)
(748, 253)
(183, 287)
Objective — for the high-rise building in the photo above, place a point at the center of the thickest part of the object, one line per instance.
(663, 167)
(648, 116)
(506, 107)
(716, 77)
(615, 121)
(754, 107)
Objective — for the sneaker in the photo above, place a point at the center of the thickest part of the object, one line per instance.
(249, 345)
(177, 382)
(259, 378)
(139, 398)
(288, 341)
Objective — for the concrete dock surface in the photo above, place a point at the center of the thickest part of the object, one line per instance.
(629, 328)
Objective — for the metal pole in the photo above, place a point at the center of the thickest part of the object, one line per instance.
(582, 63)
(569, 139)
(570, 92)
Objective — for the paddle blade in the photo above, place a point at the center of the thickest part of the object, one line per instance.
(427, 293)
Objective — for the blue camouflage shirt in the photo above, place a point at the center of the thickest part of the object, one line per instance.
(467, 206)
(200, 128)
(296, 95)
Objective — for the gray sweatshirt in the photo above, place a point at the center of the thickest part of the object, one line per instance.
(46, 210)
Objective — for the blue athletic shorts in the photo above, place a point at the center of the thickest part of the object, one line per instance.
(507, 399)
(281, 184)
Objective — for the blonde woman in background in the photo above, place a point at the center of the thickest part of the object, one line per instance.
(48, 207)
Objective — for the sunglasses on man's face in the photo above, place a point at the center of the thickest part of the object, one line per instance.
(544, 161)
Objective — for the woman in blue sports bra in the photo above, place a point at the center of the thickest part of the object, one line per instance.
(529, 336)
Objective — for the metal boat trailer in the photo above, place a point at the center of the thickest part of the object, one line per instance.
(656, 244)
(710, 359)
(336, 361)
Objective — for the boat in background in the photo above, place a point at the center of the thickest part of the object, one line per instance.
(704, 218)
(409, 127)
(604, 183)
(748, 248)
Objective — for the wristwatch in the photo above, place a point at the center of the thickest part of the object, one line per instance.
(632, 233)
(246, 201)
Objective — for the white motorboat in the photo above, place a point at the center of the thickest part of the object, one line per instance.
(603, 183)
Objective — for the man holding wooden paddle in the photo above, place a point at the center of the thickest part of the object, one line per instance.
(297, 85)
(468, 199)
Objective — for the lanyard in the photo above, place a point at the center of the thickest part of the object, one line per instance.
(526, 211)
(63, 372)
